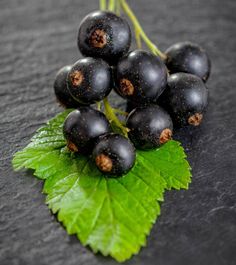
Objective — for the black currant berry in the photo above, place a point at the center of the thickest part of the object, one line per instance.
(141, 76)
(189, 58)
(89, 80)
(105, 35)
(130, 105)
(82, 127)
(186, 98)
(114, 154)
(150, 126)
(60, 88)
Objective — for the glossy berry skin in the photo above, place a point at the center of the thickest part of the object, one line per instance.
(150, 126)
(105, 35)
(60, 88)
(114, 154)
(189, 58)
(82, 127)
(130, 105)
(186, 98)
(89, 80)
(141, 76)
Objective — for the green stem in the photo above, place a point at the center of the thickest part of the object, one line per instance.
(121, 112)
(110, 114)
(139, 29)
(138, 39)
(103, 4)
(112, 5)
(98, 103)
(118, 7)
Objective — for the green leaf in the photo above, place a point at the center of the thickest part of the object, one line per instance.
(111, 215)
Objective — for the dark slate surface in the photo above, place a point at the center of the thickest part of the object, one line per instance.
(197, 226)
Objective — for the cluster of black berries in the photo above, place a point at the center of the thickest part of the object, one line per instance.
(142, 78)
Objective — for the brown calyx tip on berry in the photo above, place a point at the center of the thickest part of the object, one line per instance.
(165, 136)
(195, 119)
(72, 147)
(126, 87)
(98, 38)
(77, 78)
(104, 163)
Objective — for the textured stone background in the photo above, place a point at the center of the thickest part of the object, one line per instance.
(197, 226)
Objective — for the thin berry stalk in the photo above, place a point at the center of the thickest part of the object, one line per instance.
(139, 30)
(121, 112)
(117, 8)
(98, 104)
(111, 116)
(103, 4)
(112, 5)
(138, 38)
